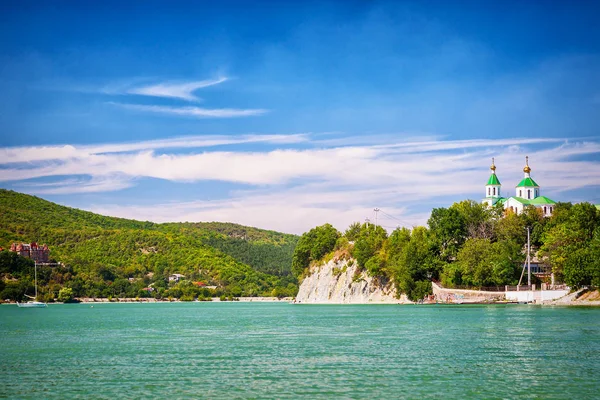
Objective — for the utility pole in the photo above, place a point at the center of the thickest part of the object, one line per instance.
(367, 220)
(376, 211)
(528, 260)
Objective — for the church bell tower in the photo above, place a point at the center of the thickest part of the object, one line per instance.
(492, 188)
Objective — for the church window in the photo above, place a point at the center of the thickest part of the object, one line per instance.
(537, 193)
(545, 212)
(494, 191)
(520, 193)
(488, 191)
(529, 194)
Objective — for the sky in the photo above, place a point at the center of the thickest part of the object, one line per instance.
(286, 115)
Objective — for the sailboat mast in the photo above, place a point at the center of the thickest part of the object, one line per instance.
(35, 279)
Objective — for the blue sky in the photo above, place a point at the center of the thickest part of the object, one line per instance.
(286, 116)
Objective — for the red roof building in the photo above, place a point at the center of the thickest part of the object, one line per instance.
(38, 253)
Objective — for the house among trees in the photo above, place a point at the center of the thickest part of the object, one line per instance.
(38, 253)
(176, 277)
(527, 193)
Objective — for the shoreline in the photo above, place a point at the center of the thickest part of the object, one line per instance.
(127, 300)
(571, 300)
(212, 300)
(290, 301)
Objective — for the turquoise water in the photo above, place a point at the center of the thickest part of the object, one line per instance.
(273, 350)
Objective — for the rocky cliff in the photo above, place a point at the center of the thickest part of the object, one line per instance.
(339, 282)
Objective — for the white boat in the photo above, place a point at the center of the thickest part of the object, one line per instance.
(34, 303)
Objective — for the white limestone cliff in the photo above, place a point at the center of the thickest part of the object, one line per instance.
(337, 282)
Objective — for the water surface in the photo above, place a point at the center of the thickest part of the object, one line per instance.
(274, 350)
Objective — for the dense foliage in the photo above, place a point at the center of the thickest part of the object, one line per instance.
(312, 246)
(115, 257)
(571, 242)
(470, 244)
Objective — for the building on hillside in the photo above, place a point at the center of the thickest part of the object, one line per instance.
(38, 253)
(527, 193)
(176, 277)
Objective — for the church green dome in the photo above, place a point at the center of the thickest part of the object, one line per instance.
(528, 182)
(493, 180)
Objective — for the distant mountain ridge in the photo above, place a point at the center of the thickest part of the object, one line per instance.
(100, 251)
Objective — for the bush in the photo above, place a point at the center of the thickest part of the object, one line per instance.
(65, 295)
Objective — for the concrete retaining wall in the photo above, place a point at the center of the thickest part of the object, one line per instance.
(477, 296)
(445, 295)
(535, 296)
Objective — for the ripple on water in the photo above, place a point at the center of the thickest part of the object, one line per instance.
(253, 350)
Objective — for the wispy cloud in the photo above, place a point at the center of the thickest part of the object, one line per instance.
(419, 172)
(169, 90)
(196, 112)
(78, 185)
(36, 154)
(421, 169)
(181, 91)
(294, 188)
(293, 211)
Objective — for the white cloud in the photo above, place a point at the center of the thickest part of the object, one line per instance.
(293, 189)
(293, 211)
(181, 91)
(29, 154)
(418, 172)
(197, 112)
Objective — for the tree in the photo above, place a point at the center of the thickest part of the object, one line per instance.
(512, 228)
(312, 246)
(477, 218)
(585, 217)
(353, 231)
(569, 243)
(449, 230)
(415, 263)
(398, 240)
(65, 295)
(474, 261)
(325, 237)
(533, 219)
(13, 263)
(582, 266)
(507, 260)
(368, 243)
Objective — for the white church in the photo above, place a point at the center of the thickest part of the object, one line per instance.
(527, 193)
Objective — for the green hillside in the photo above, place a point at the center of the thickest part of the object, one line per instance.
(107, 256)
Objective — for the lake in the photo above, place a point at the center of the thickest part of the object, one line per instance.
(280, 350)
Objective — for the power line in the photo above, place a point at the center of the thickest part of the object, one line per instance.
(390, 227)
(397, 219)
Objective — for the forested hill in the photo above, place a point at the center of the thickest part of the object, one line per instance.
(100, 252)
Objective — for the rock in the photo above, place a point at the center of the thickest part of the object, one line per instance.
(338, 282)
